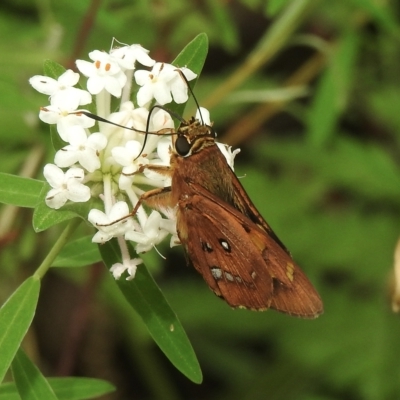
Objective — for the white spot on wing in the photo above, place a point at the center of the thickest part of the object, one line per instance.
(229, 276)
(216, 272)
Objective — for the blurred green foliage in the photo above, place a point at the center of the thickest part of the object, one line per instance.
(323, 169)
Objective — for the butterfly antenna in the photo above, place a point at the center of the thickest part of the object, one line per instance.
(192, 93)
(173, 114)
(101, 119)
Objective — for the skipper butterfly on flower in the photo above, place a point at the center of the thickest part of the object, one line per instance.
(204, 206)
(224, 236)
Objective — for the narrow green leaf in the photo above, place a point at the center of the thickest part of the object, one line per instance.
(193, 56)
(273, 7)
(8, 391)
(78, 253)
(16, 315)
(72, 388)
(332, 93)
(69, 388)
(146, 298)
(30, 382)
(222, 15)
(45, 217)
(19, 191)
(53, 69)
(56, 140)
(381, 13)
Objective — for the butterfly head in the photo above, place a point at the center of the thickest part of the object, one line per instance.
(192, 137)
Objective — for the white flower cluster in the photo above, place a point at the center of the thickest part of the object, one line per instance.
(111, 158)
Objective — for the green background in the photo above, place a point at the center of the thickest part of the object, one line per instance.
(320, 160)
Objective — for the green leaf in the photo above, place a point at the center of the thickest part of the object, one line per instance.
(72, 388)
(331, 95)
(45, 217)
(222, 16)
(69, 388)
(53, 69)
(16, 316)
(146, 298)
(78, 253)
(19, 191)
(56, 140)
(193, 56)
(273, 7)
(30, 382)
(381, 13)
(8, 391)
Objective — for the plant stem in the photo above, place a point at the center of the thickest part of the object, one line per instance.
(269, 45)
(60, 243)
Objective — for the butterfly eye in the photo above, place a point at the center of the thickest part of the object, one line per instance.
(182, 146)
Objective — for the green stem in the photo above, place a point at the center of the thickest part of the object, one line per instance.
(268, 46)
(60, 243)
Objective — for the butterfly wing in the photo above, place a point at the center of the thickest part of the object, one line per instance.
(225, 185)
(250, 269)
(242, 202)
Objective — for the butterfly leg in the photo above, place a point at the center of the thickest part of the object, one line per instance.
(156, 198)
(159, 198)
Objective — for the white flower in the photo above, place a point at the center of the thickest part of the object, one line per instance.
(128, 157)
(161, 119)
(97, 161)
(154, 84)
(162, 81)
(64, 120)
(164, 151)
(106, 223)
(103, 73)
(127, 56)
(228, 153)
(130, 117)
(61, 91)
(129, 266)
(66, 186)
(203, 115)
(164, 146)
(152, 233)
(82, 149)
(170, 226)
(179, 87)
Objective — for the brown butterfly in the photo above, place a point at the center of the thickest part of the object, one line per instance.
(224, 236)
